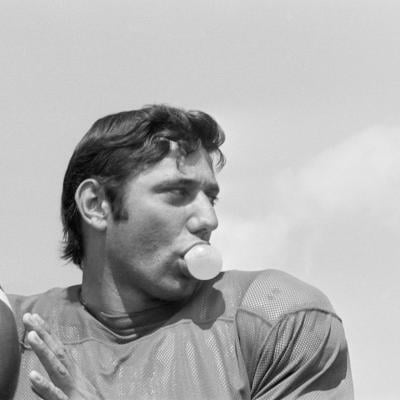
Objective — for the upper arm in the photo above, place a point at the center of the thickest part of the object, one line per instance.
(291, 341)
(302, 356)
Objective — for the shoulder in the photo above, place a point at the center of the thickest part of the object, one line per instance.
(273, 294)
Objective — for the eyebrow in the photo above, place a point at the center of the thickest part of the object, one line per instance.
(210, 187)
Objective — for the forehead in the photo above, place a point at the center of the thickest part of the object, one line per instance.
(196, 166)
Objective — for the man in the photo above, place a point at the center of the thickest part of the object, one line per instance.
(138, 194)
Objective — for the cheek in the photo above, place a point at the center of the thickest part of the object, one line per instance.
(159, 229)
(149, 232)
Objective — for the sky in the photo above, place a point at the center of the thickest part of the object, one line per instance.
(308, 95)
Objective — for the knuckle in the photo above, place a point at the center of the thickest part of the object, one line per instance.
(60, 353)
(61, 370)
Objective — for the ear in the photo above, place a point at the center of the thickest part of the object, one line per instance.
(92, 204)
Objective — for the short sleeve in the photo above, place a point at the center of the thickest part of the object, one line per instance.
(303, 355)
(292, 342)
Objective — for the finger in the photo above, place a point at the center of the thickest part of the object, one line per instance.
(36, 323)
(33, 322)
(57, 371)
(34, 319)
(45, 389)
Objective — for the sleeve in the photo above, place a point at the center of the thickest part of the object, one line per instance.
(303, 355)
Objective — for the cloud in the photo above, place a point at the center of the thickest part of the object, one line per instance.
(346, 197)
(360, 174)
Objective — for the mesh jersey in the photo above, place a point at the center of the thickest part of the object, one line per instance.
(244, 335)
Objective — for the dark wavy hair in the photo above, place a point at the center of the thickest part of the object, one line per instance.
(121, 145)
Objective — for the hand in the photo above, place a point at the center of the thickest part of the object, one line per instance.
(67, 381)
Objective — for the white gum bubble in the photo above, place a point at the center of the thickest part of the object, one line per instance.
(203, 262)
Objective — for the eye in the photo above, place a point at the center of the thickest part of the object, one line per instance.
(178, 195)
(179, 192)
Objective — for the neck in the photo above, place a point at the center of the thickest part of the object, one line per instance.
(124, 315)
(101, 290)
(105, 294)
(101, 293)
(108, 299)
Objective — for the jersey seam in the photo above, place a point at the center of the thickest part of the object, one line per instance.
(282, 317)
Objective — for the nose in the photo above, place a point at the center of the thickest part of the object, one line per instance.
(203, 219)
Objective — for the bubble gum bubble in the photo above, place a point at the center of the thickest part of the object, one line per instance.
(203, 262)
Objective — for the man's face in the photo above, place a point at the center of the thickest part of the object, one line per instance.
(170, 208)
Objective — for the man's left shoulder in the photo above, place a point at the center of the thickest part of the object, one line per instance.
(274, 293)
